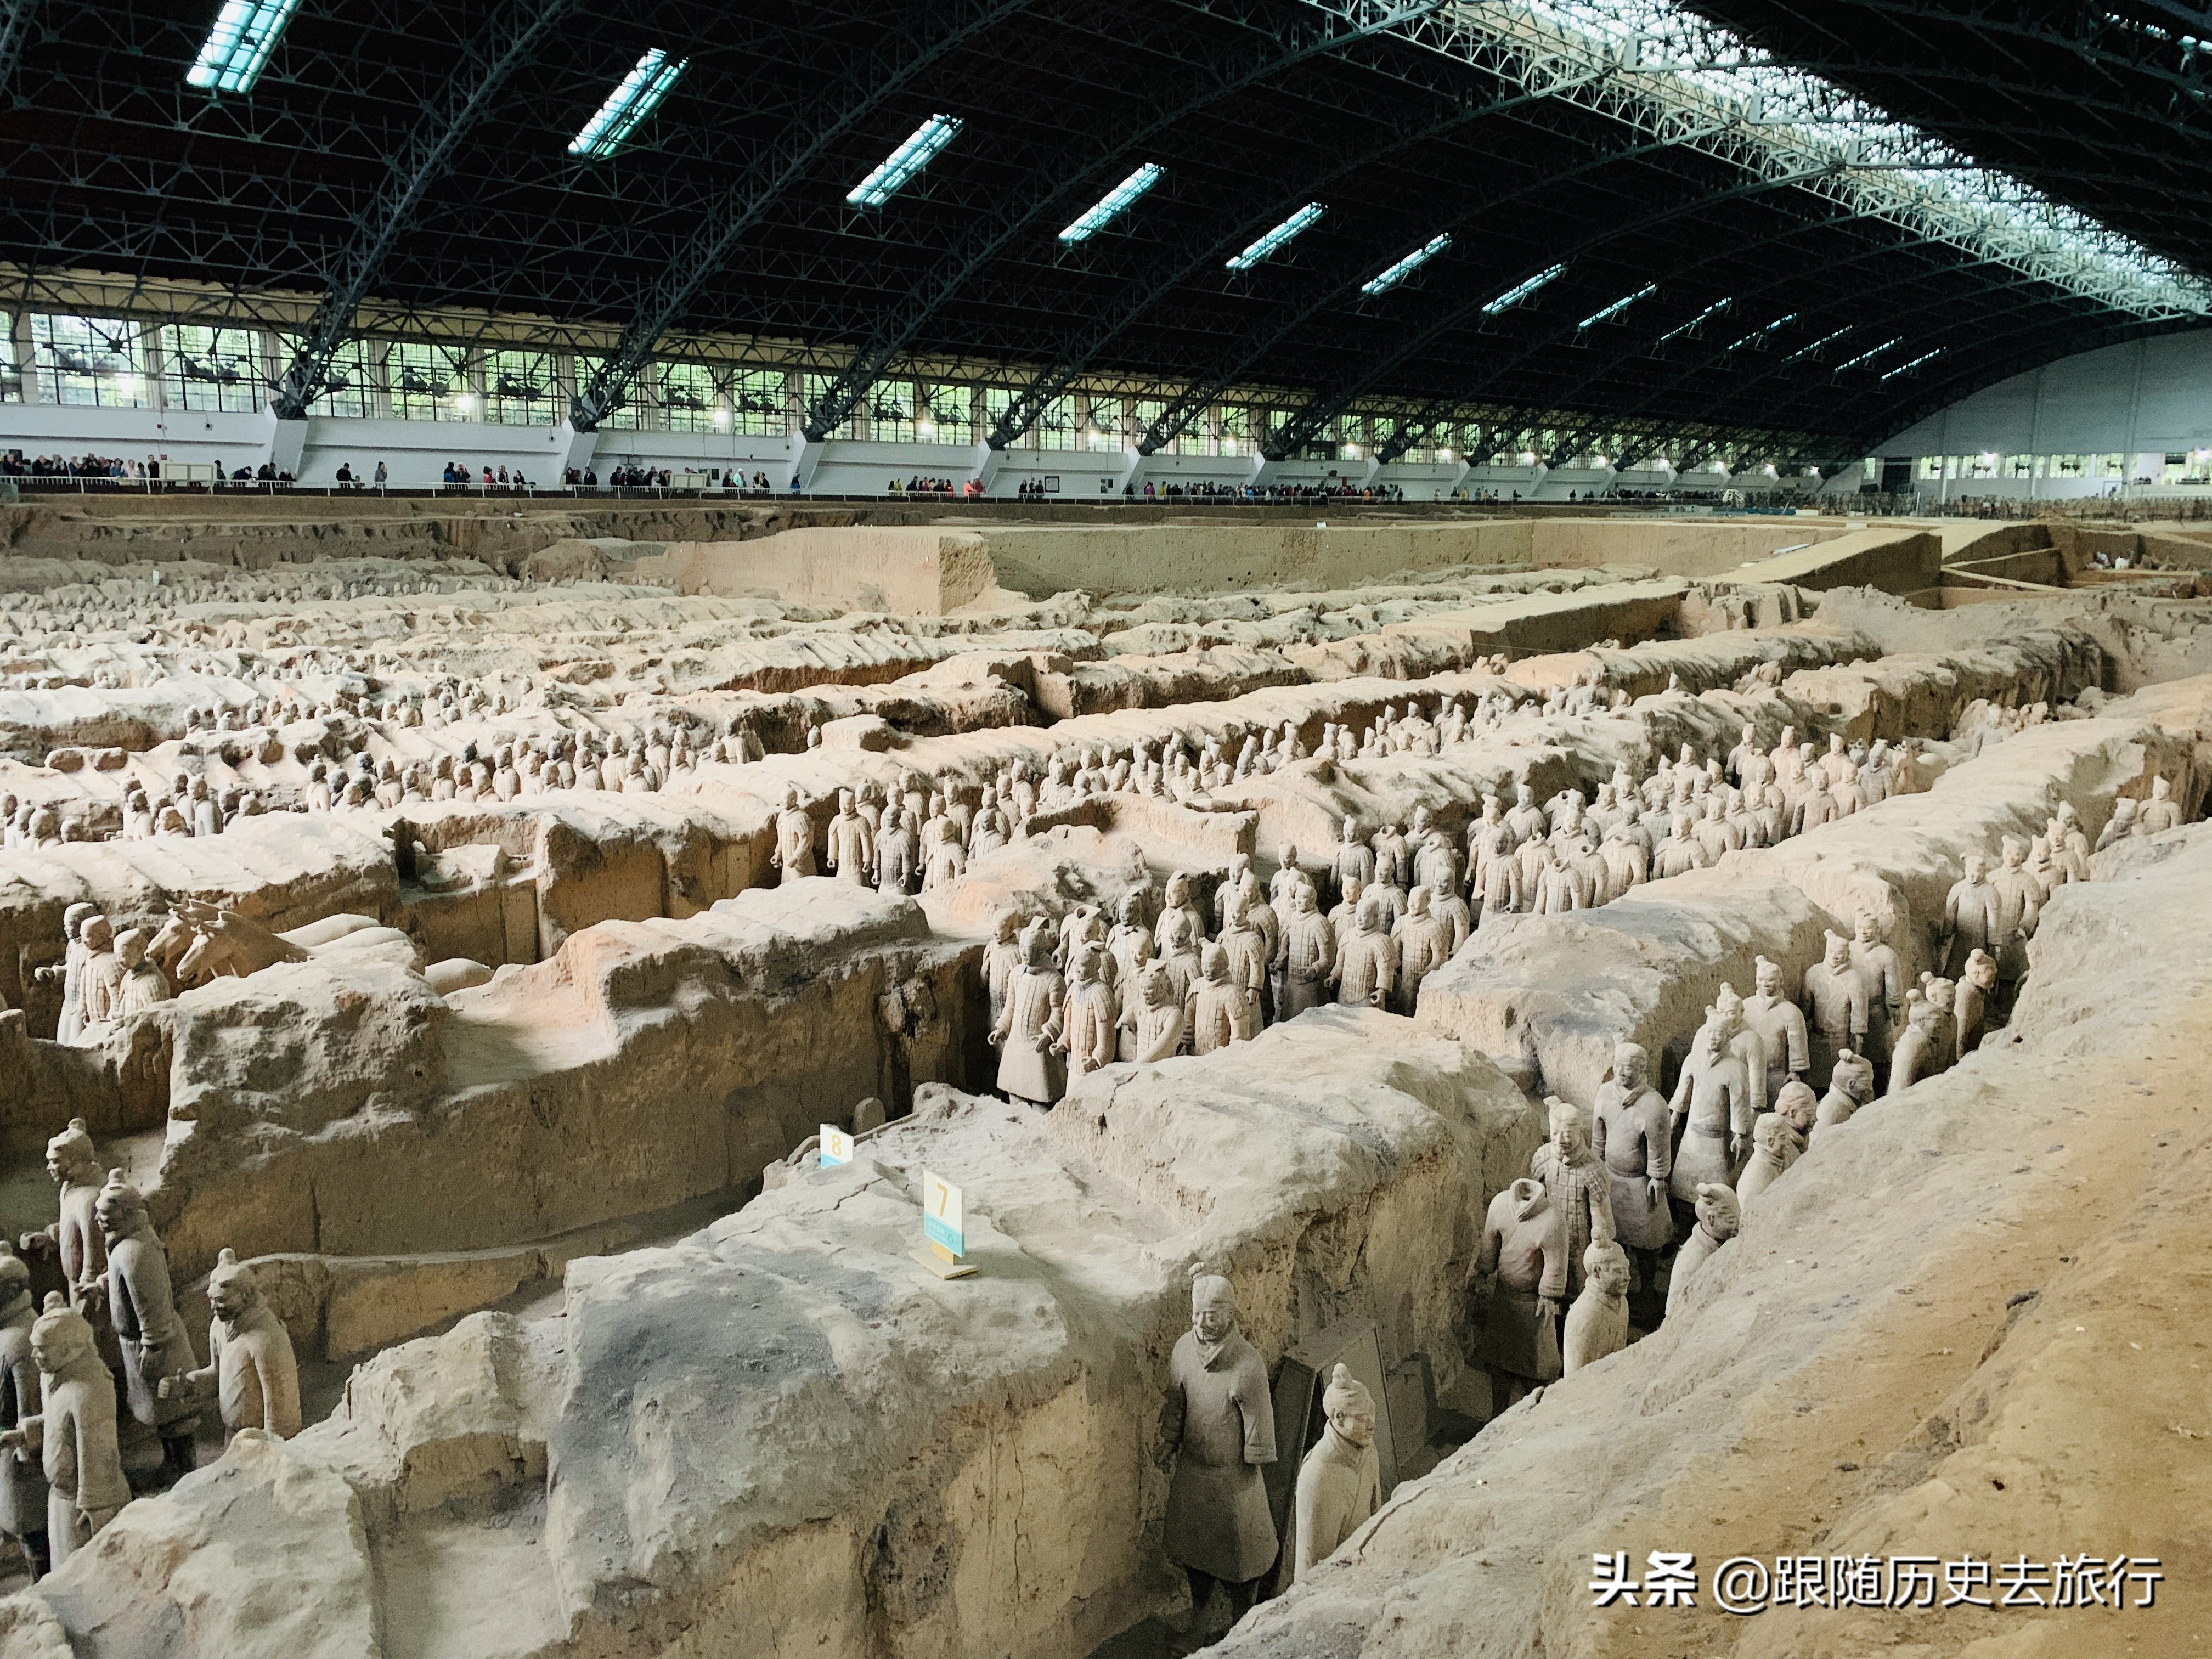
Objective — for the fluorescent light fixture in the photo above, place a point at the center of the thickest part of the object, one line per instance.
(1868, 356)
(1405, 267)
(1906, 367)
(1276, 238)
(1520, 291)
(1761, 333)
(1712, 310)
(1807, 351)
(1113, 203)
(637, 96)
(893, 173)
(245, 32)
(1616, 307)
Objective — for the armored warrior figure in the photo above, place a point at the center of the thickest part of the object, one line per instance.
(1219, 1426)
(1576, 1182)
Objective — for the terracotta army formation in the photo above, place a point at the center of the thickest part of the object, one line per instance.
(1099, 885)
(1218, 1428)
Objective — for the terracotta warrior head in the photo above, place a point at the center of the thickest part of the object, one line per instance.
(1853, 1075)
(1718, 1212)
(1630, 1067)
(70, 1159)
(1213, 1310)
(233, 1290)
(120, 1208)
(60, 1338)
(1797, 1105)
(1766, 977)
(1570, 1129)
(1350, 1407)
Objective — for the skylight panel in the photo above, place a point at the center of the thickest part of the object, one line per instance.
(637, 96)
(1520, 291)
(1868, 356)
(1712, 310)
(1676, 76)
(1385, 280)
(1617, 308)
(897, 170)
(1293, 226)
(1906, 369)
(1113, 203)
(245, 32)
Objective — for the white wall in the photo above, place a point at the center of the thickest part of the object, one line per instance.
(2143, 400)
(179, 436)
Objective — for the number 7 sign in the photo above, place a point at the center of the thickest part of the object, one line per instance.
(943, 1217)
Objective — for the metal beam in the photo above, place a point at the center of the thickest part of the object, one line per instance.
(1054, 183)
(511, 36)
(925, 35)
(1196, 254)
(16, 20)
(1307, 422)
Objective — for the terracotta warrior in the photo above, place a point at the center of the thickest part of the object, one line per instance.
(852, 844)
(1883, 975)
(1355, 860)
(1576, 1182)
(1766, 1163)
(1219, 1426)
(1597, 1323)
(1631, 1134)
(22, 1482)
(1524, 1246)
(1718, 1218)
(76, 1236)
(794, 840)
(250, 1364)
(1002, 961)
(1091, 1018)
(1969, 1000)
(1970, 918)
(1715, 1096)
(156, 1345)
(1028, 1027)
(1339, 1484)
(73, 1435)
(143, 986)
(1909, 1063)
(2126, 821)
(1366, 963)
(1850, 1085)
(1158, 1032)
(1836, 1000)
(1423, 943)
(1217, 1010)
(2014, 911)
(2162, 811)
(1780, 1023)
(1307, 955)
